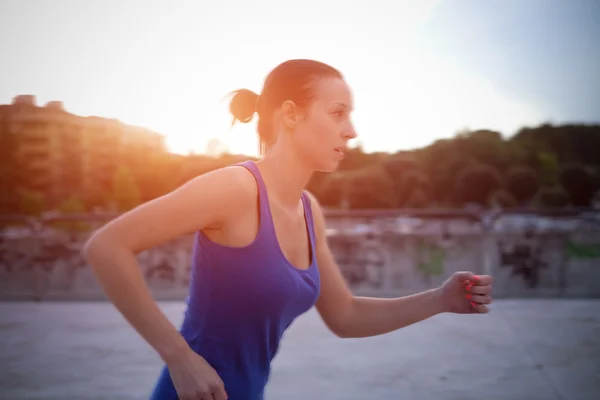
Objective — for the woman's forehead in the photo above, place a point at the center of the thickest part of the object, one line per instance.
(333, 91)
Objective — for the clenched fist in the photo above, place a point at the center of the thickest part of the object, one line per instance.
(466, 293)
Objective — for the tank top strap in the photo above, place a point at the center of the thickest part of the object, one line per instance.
(263, 198)
(266, 226)
(309, 219)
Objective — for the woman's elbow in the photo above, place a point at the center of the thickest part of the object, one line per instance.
(338, 328)
(97, 245)
(345, 333)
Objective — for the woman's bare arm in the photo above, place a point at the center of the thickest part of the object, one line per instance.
(206, 201)
(349, 316)
(352, 316)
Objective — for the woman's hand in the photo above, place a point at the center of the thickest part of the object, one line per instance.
(194, 378)
(466, 293)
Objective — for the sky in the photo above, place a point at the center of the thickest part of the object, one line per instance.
(419, 70)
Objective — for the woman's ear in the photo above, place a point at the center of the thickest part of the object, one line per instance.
(290, 114)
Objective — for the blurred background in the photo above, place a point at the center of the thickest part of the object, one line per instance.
(478, 148)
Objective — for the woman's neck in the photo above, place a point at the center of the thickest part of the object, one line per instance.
(286, 175)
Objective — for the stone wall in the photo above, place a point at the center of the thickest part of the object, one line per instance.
(45, 263)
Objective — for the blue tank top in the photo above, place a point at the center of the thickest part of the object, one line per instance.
(241, 301)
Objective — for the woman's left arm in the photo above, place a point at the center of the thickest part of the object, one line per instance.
(350, 316)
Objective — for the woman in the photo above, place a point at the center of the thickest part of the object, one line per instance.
(261, 257)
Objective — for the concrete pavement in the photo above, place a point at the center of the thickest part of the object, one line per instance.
(523, 349)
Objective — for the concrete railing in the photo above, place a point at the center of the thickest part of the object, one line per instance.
(530, 253)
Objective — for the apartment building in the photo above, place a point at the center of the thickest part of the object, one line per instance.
(57, 153)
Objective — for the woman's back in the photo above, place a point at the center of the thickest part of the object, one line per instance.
(243, 298)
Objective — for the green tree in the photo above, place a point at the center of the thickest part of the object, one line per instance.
(476, 184)
(355, 158)
(333, 189)
(414, 181)
(549, 168)
(580, 184)
(552, 197)
(370, 188)
(418, 199)
(68, 207)
(483, 146)
(125, 191)
(158, 175)
(32, 203)
(522, 183)
(72, 205)
(502, 199)
(570, 143)
(397, 166)
(94, 197)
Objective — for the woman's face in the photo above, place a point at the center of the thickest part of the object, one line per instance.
(322, 134)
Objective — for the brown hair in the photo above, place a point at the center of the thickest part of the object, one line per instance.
(291, 80)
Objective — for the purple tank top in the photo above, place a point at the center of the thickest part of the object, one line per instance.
(241, 301)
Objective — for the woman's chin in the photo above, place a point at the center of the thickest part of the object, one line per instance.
(330, 166)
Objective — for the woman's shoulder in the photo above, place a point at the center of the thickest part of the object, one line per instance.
(235, 182)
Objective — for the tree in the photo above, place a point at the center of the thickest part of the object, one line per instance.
(355, 158)
(522, 183)
(579, 183)
(72, 205)
(483, 146)
(553, 197)
(443, 162)
(125, 191)
(449, 172)
(412, 181)
(549, 168)
(370, 188)
(475, 185)
(32, 203)
(333, 189)
(396, 166)
(94, 197)
(159, 175)
(502, 199)
(570, 143)
(418, 199)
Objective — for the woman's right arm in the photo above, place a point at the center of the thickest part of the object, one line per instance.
(206, 201)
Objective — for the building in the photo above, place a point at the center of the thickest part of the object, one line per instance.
(57, 153)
